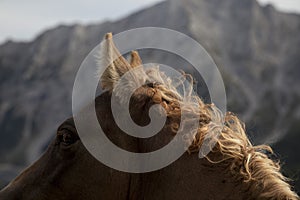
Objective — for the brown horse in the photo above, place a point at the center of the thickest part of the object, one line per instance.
(234, 169)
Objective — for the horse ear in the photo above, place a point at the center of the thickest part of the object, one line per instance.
(135, 60)
(113, 62)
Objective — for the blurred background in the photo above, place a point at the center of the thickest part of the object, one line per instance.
(255, 44)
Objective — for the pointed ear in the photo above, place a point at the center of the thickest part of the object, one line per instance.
(111, 59)
(135, 59)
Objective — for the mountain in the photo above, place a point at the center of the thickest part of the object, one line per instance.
(255, 47)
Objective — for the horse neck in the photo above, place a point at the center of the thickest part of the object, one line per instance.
(193, 178)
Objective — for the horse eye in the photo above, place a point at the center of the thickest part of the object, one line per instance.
(65, 137)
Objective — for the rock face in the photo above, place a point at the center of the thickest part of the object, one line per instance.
(256, 49)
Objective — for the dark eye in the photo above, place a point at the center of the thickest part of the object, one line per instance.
(66, 137)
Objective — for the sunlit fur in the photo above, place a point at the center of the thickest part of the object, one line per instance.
(260, 175)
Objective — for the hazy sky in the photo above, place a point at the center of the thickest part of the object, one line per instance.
(23, 20)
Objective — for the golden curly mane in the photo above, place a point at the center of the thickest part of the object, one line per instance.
(246, 161)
